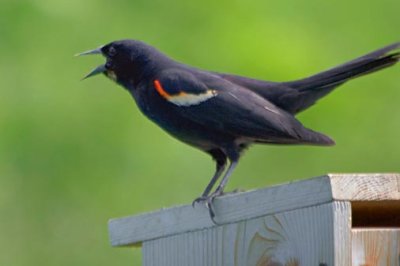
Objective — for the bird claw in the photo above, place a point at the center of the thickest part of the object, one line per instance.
(208, 200)
(199, 200)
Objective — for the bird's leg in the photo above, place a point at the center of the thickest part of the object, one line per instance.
(220, 159)
(204, 195)
(220, 189)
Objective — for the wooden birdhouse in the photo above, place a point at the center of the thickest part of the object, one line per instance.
(332, 220)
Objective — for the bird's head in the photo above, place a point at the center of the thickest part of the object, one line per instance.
(127, 61)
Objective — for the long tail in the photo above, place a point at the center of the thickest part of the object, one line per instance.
(317, 86)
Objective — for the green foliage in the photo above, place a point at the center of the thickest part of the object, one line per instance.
(74, 154)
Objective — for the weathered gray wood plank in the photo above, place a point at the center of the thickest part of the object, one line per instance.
(248, 205)
(342, 216)
(229, 208)
(298, 237)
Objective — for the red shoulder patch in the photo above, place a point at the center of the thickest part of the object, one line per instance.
(183, 98)
(160, 89)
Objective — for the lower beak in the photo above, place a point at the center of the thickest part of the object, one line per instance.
(98, 70)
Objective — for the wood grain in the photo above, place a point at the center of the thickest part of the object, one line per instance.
(303, 236)
(229, 208)
(376, 247)
(233, 208)
(342, 216)
(365, 187)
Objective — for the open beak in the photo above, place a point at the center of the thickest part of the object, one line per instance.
(98, 70)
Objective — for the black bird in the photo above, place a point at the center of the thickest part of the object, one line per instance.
(223, 114)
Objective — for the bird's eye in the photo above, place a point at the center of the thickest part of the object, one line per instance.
(109, 65)
(112, 52)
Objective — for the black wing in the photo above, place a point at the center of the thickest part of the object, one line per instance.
(181, 88)
(226, 107)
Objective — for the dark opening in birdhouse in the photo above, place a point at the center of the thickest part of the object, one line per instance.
(375, 214)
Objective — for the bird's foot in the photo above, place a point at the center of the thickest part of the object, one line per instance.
(208, 200)
(199, 200)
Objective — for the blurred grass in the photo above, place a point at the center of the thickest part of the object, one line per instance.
(74, 154)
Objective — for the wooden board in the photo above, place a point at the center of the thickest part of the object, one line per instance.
(365, 187)
(299, 237)
(233, 208)
(376, 247)
(229, 208)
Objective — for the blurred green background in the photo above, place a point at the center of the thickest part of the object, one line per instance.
(74, 154)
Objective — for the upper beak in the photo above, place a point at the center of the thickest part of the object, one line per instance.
(98, 70)
(94, 51)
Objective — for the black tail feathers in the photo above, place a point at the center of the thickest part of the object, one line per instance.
(317, 86)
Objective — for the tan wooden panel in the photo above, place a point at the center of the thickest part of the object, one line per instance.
(376, 247)
(365, 187)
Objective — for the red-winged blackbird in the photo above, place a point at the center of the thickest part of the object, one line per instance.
(224, 114)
